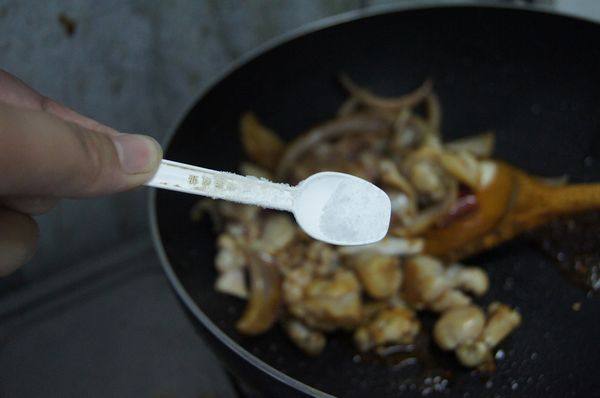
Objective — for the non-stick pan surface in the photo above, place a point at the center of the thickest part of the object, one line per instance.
(532, 77)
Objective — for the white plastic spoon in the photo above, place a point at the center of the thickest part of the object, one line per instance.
(336, 208)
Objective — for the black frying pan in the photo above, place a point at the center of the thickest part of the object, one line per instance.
(534, 77)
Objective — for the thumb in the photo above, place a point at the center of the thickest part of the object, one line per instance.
(43, 155)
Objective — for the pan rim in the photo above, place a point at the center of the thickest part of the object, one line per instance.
(240, 62)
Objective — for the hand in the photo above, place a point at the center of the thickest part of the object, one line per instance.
(48, 152)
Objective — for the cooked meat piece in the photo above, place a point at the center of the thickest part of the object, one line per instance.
(428, 179)
(278, 232)
(230, 256)
(293, 257)
(232, 282)
(423, 280)
(427, 284)
(327, 303)
(323, 257)
(308, 340)
(390, 326)
(449, 299)
(458, 326)
(473, 354)
(295, 283)
(471, 279)
(502, 320)
(380, 275)
(372, 308)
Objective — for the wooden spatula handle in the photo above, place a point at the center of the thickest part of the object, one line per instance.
(573, 198)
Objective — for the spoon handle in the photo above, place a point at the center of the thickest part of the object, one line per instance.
(222, 185)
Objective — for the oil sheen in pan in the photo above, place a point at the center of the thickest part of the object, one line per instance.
(574, 243)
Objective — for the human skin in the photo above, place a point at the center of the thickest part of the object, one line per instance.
(49, 152)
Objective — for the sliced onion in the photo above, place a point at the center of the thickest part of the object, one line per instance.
(434, 112)
(390, 104)
(265, 294)
(260, 143)
(423, 170)
(430, 216)
(463, 166)
(251, 169)
(391, 177)
(388, 246)
(431, 138)
(404, 135)
(362, 123)
(348, 107)
(480, 145)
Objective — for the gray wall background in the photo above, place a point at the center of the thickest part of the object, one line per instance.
(136, 65)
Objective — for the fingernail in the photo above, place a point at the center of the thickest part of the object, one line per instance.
(138, 154)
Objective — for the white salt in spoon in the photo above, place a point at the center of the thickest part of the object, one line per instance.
(333, 207)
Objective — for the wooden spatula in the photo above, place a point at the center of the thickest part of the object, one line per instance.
(512, 203)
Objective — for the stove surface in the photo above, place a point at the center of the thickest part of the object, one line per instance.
(111, 327)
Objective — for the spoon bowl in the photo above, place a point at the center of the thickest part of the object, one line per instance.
(342, 209)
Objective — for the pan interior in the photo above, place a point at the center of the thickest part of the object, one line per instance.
(532, 77)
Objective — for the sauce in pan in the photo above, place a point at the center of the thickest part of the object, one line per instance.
(574, 243)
